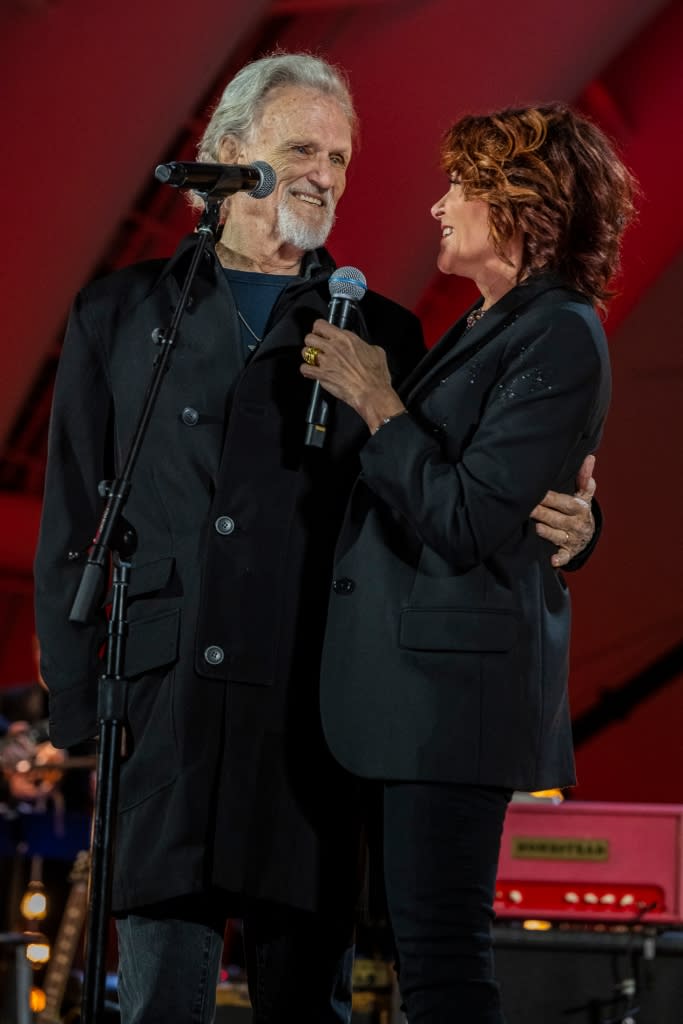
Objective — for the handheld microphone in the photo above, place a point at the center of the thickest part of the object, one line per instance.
(220, 180)
(347, 287)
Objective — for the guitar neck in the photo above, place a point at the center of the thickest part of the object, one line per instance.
(64, 949)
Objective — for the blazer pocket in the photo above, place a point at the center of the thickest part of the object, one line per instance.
(457, 629)
(152, 642)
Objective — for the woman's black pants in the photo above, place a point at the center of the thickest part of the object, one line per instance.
(441, 846)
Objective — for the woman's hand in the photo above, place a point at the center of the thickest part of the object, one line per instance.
(351, 370)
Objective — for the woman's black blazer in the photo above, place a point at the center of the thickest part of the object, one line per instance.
(446, 653)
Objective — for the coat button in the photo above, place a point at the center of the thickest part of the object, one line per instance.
(189, 416)
(343, 585)
(214, 655)
(224, 525)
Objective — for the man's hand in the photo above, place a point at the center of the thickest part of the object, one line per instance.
(566, 520)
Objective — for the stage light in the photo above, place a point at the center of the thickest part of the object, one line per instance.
(33, 904)
(38, 953)
(37, 1000)
(532, 925)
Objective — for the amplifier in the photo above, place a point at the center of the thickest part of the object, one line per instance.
(586, 976)
(591, 861)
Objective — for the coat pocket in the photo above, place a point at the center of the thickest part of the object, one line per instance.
(151, 577)
(148, 578)
(152, 642)
(457, 629)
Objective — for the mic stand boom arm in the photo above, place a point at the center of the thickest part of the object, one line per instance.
(116, 537)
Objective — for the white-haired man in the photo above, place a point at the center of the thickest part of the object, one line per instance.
(230, 804)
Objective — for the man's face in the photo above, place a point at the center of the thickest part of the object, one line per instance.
(306, 137)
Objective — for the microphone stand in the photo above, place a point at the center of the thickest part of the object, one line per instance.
(116, 538)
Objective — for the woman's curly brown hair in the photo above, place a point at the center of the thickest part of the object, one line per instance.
(552, 175)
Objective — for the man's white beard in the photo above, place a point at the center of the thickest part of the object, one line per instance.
(297, 231)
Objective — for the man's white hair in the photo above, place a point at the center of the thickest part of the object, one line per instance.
(242, 101)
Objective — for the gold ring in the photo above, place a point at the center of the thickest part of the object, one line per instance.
(566, 537)
(311, 355)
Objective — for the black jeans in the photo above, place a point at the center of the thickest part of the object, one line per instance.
(299, 964)
(441, 846)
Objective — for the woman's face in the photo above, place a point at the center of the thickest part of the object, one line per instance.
(466, 247)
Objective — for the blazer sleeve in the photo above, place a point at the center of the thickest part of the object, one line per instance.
(542, 415)
(78, 439)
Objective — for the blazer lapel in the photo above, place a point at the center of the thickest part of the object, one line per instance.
(460, 343)
(454, 349)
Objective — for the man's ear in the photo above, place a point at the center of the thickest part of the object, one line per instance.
(229, 149)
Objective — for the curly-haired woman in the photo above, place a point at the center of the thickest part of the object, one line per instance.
(445, 668)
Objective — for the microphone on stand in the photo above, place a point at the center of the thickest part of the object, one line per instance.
(347, 287)
(220, 180)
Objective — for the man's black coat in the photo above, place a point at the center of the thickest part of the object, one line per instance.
(227, 780)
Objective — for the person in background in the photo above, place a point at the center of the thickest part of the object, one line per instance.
(29, 787)
(25, 745)
(230, 804)
(445, 663)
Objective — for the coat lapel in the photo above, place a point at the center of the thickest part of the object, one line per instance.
(291, 319)
(299, 305)
(460, 343)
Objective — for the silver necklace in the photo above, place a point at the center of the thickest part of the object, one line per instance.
(251, 331)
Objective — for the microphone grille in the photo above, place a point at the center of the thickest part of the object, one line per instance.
(348, 283)
(267, 183)
(163, 172)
